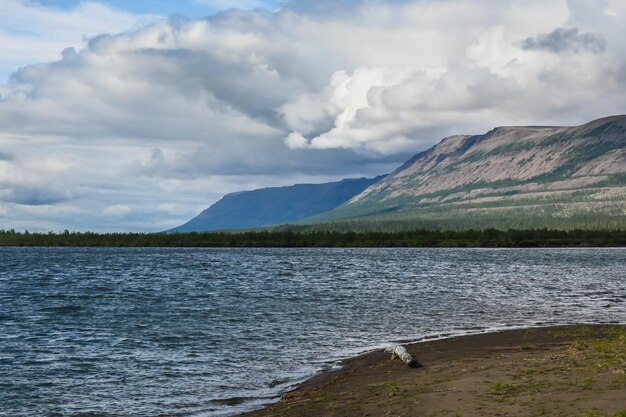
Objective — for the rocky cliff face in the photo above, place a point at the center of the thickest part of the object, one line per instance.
(569, 169)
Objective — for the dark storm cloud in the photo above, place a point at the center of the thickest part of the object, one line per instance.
(34, 195)
(6, 156)
(566, 40)
(203, 162)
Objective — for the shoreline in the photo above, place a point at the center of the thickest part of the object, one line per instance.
(371, 384)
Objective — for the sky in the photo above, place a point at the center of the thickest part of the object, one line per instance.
(136, 116)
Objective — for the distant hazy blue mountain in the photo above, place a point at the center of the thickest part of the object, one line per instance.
(276, 205)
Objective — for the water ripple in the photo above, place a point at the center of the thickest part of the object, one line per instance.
(147, 332)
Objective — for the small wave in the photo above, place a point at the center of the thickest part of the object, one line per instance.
(234, 401)
(66, 309)
(277, 382)
(6, 317)
(471, 328)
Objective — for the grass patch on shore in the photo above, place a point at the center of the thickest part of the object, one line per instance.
(530, 386)
(601, 354)
(392, 389)
(586, 364)
(596, 414)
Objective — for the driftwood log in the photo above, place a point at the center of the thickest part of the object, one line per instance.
(401, 352)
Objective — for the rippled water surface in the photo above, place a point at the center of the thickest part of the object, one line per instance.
(203, 332)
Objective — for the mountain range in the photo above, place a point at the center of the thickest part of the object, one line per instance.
(509, 177)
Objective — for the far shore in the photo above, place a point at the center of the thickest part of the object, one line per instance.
(288, 238)
(569, 371)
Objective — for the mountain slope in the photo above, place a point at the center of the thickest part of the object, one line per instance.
(509, 177)
(277, 205)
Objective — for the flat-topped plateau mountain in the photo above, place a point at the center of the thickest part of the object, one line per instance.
(521, 177)
(275, 205)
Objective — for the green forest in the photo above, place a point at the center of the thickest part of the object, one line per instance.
(290, 238)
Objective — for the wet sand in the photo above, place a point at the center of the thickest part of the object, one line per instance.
(559, 371)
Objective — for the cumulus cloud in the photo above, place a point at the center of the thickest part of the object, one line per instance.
(566, 40)
(31, 33)
(393, 111)
(179, 111)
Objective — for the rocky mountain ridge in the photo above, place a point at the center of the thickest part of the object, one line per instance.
(568, 171)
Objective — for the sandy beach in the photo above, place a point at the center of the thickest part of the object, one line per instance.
(573, 371)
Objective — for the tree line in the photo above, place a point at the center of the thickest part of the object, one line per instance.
(290, 238)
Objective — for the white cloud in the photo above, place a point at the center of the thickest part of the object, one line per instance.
(31, 33)
(164, 119)
(118, 210)
(233, 4)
